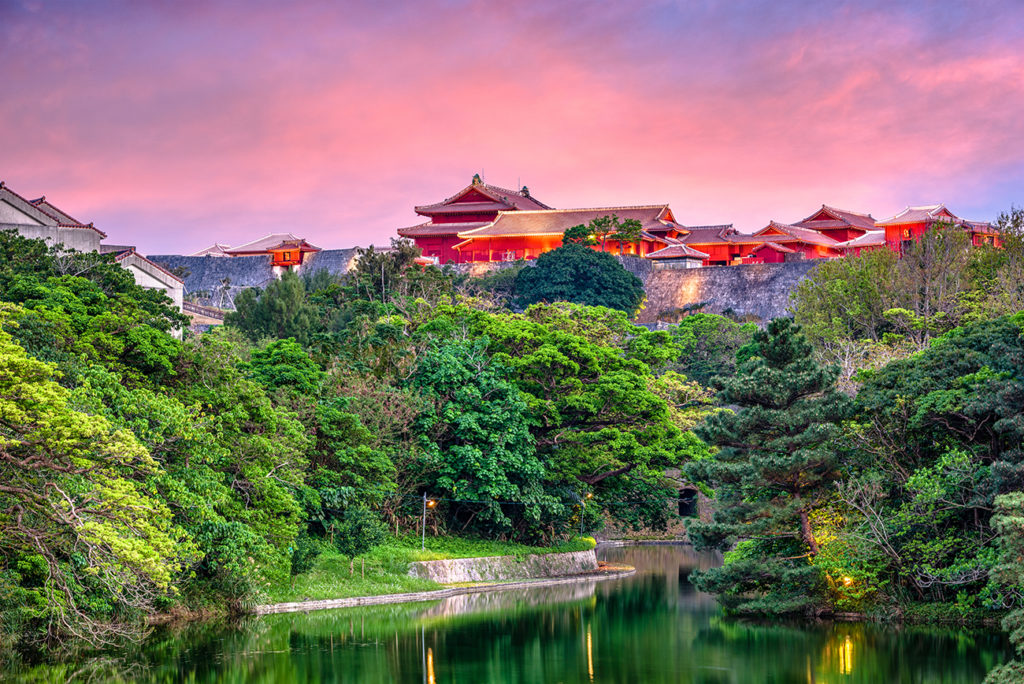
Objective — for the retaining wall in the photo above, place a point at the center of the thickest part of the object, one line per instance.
(757, 290)
(504, 568)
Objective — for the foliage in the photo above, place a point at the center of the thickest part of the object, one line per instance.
(284, 363)
(80, 523)
(774, 466)
(1009, 573)
(575, 273)
(357, 531)
(708, 344)
(939, 283)
(281, 310)
(482, 449)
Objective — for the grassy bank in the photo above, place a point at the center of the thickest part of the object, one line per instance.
(384, 570)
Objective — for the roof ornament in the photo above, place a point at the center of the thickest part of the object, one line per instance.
(525, 191)
(476, 179)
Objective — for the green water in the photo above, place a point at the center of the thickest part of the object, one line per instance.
(652, 627)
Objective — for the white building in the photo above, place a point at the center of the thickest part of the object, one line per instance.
(42, 220)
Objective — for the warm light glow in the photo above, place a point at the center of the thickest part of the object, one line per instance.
(430, 666)
(847, 581)
(590, 655)
(590, 495)
(431, 503)
(846, 657)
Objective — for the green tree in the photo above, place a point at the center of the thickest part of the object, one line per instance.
(482, 451)
(773, 467)
(85, 533)
(356, 532)
(1009, 523)
(599, 418)
(708, 344)
(580, 235)
(285, 364)
(281, 310)
(574, 273)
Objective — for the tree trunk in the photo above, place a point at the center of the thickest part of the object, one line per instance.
(807, 534)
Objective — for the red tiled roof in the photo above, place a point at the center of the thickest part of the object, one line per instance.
(44, 212)
(922, 214)
(706, 235)
(468, 208)
(431, 228)
(557, 221)
(273, 241)
(872, 238)
(62, 217)
(842, 216)
(509, 199)
(807, 235)
(677, 252)
(775, 246)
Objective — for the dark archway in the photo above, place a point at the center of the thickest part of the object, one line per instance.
(687, 502)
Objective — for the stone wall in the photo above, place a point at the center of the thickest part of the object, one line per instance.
(207, 274)
(503, 568)
(760, 291)
(757, 290)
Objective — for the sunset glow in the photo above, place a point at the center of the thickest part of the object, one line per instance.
(172, 125)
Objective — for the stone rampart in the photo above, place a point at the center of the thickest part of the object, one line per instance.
(760, 291)
(218, 279)
(504, 568)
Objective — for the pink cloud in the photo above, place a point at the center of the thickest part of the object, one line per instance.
(172, 129)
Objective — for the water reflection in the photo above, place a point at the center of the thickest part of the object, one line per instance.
(652, 627)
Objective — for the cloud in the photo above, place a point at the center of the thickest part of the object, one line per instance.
(175, 124)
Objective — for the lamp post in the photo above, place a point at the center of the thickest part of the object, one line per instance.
(427, 503)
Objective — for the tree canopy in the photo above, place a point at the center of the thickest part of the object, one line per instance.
(578, 274)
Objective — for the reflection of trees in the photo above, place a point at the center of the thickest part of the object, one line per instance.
(646, 628)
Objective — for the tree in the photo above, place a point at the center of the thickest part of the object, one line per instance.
(600, 420)
(846, 299)
(938, 436)
(79, 521)
(1009, 523)
(580, 235)
(357, 531)
(708, 344)
(481, 446)
(774, 466)
(574, 273)
(393, 277)
(282, 310)
(284, 363)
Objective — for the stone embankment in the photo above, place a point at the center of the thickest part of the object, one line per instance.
(504, 568)
(499, 573)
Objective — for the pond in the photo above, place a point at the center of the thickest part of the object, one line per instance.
(651, 627)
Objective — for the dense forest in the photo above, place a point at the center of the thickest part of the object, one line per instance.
(862, 457)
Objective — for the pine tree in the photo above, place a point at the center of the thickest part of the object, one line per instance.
(774, 465)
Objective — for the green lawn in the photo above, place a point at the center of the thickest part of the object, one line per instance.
(386, 567)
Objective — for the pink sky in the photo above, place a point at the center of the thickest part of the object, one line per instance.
(174, 124)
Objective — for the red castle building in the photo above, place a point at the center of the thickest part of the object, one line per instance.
(485, 223)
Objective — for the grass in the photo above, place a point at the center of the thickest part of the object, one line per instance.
(386, 567)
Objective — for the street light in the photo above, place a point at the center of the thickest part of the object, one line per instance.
(427, 503)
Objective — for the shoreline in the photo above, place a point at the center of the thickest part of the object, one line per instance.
(611, 572)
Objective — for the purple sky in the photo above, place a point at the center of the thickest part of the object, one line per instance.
(177, 123)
